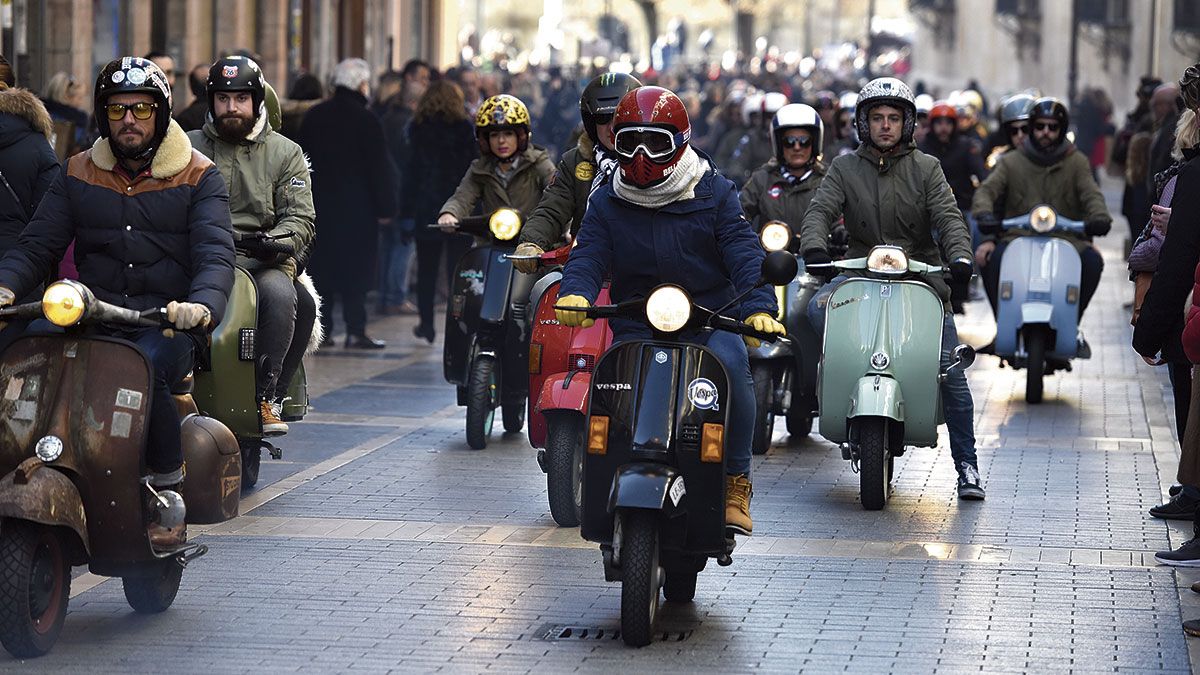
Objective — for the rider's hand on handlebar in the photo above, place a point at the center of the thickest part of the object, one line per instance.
(1097, 228)
(960, 270)
(448, 223)
(569, 318)
(7, 297)
(186, 316)
(983, 254)
(818, 257)
(763, 323)
(988, 223)
(527, 266)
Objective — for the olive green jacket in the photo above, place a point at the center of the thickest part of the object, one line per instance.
(482, 184)
(561, 207)
(269, 186)
(769, 196)
(1066, 186)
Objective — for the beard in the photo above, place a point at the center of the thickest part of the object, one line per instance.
(234, 128)
(123, 149)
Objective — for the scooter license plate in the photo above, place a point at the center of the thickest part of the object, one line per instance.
(1039, 285)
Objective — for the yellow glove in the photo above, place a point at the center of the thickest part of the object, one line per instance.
(763, 323)
(527, 266)
(569, 318)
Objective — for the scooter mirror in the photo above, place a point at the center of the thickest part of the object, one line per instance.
(778, 269)
(962, 357)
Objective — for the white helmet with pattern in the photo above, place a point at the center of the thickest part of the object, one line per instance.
(885, 91)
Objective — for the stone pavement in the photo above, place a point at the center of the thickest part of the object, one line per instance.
(387, 545)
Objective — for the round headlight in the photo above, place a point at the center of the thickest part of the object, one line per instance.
(49, 448)
(63, 304)
(887, 260)
(668, 308)
(505, 224)
(775, 236)
(1043, 219)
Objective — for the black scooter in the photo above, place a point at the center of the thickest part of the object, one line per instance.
(654, 469)
(486, 352)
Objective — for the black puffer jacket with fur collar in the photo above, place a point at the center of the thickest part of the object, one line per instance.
(26, 160)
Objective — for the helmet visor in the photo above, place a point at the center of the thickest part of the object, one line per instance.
(657, 143)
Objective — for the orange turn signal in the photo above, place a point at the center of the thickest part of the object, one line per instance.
(535, 358)
(712, 443)
(598, 435)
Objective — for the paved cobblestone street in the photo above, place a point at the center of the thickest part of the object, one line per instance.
(382, 543)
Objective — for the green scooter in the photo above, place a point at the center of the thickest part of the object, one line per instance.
(880, 364)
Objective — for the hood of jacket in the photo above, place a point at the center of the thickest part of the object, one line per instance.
(25, 113)
(884, 163)
(173, 154)
(587, 149)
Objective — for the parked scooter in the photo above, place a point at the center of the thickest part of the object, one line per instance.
(561, 361)
(1037, 322)
(73, 425)
(654, 471)
(225, 381)
(486, 353)
(880, 365)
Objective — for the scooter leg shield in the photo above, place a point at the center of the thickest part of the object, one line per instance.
(640, 486)
(877, 396)
(40, 494)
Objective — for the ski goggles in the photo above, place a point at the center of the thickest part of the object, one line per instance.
(656, 142)
(141, 110)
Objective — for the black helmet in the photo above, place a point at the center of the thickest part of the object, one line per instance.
(600, 97)
(133, 75)
(1050, 107)
(1016, 108)
(236, 73)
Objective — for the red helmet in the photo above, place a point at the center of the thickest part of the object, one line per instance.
(651, 133)
(942, 109)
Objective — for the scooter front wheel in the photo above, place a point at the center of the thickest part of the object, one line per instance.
(35, 586)
(564, 467)
(1035, 368)
(481, 401)
(764, 406)
(156, 591)
(514, 416)
(251, 461)
(873, 475)
(640, 577)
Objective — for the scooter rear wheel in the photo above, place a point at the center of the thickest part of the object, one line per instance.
(680, 584)
(156, 591)
(514, 417)
(564, 467)
(764, 406)
(1035, 369)
(873, 466)
(640, 577)
(251, 462)
(35, 585)
(481, 401)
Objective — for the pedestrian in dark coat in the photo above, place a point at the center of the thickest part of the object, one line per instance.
(353, 191)
(442, 148)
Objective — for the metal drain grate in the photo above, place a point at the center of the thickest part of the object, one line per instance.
(561, 632)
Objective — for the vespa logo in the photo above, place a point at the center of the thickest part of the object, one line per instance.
(703, 394)
(613, 386)
(660, 358)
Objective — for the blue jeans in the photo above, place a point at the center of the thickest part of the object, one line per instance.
(957, 405)
(395, 257)
(730, 350)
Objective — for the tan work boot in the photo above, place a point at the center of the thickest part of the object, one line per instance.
(271, 424)
(737, 504)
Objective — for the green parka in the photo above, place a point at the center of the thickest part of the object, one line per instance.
(1066, 186)
(562, 204)
(269, 186)
(482, 183)
(769, 196)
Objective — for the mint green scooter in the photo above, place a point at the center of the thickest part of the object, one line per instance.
(880, 365)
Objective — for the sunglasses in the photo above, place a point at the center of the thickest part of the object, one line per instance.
(656, 143)
(1022, 130)
(141, 110)
(797, 141)
(602, 120)
(1045, 126)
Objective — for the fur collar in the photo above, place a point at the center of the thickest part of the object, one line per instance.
(22, 103)
(173, 154)
(587, 149)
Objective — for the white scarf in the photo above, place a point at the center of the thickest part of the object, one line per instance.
(678, 186)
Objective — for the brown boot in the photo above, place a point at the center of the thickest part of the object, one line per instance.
(271, 424)
(737, 503)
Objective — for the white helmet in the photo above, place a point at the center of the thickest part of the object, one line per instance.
(752, 104)
(924, 103)
(848, 100)
(885, 91)
(796, 116)
(773, 102)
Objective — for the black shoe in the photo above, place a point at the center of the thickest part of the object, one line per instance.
(425, 332)
(969, 484)
(1179, 507)
(1187, 555)
(1082, 349)
(989, 348)
(1192, 627)
(1196, 587)
(1174, 490)
(362, 341)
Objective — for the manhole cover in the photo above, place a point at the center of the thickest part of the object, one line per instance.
(566, 632)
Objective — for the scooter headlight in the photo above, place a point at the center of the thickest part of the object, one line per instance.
(668, 308)
(1043, 219)
(887, 260)
(505, 224)
(63, 303)
(775, 236)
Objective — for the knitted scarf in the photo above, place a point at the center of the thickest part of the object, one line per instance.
(678, 186)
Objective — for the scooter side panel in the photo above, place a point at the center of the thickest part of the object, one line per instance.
(463, 312)
(226, 391)
(902, 319)
(1039, 270)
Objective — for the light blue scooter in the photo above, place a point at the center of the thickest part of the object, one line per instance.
(1037, 320)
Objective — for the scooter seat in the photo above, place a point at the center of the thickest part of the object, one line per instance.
(184, 386)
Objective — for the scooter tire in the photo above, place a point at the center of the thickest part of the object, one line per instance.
(680, 584)
(155, 592)
(873, 477)
(514, 417)
(798, 423)
(481, 401)
(1035, 368)
(564, 467)
(251, 462)
(764, 406)
(640, 582)
(32, 613)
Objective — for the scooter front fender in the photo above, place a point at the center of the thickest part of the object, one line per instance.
(1036, 312)
(877, 396)
(641, 486)
(572, 397)
(40, 494)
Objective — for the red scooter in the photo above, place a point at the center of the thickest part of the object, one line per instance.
(561, 360)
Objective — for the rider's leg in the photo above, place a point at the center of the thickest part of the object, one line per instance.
(959, 410)
(306, 319)
(730, 349)
(991, 276)
(1093, 266)
(171, 359)
(276, 323)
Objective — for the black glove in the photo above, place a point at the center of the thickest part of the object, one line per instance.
(840, 236)
(988, 223)
(1097, 228)
(818, 257)
(960, 270)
